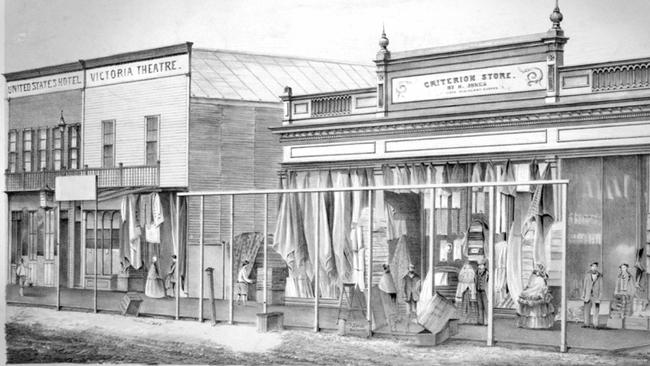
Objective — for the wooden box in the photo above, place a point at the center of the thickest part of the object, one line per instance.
(130, 304)
(268, 322)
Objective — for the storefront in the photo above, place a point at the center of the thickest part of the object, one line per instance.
(499, 110)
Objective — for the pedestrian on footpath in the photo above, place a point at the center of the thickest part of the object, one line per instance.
(592, 285)
(21, 276)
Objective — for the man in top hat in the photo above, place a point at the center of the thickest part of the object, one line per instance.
(482, 278)
(412, 286)
(591, 288)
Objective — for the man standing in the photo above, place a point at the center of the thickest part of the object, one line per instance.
(482, 278)
(21, 276)
(412, 285)
(591, 289)
(171, 276)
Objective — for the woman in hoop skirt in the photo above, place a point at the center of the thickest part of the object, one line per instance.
(154, 287)
(535, 310)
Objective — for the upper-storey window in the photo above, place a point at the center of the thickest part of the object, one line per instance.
(73, 147)
(27, 150)
(108, 144)
(152, 123)
(13, 150)
(42, 148)
(57, 150)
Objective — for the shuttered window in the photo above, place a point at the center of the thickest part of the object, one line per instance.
(57, 150)
(27, 150)
(13, 153)
(108, 144)
(42, 148)
(73, 147)
(152, 123)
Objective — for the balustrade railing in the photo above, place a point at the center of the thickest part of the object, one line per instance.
(121, 176)
(331, 106)
(624, 76)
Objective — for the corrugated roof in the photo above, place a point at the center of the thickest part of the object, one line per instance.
(243, 76)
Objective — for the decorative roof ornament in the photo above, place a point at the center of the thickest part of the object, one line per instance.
(556, 17)
(383, 41)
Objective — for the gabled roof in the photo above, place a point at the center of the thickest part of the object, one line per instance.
(233, 75)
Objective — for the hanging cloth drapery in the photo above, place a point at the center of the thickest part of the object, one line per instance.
(341, 228)
(135, 252)
(508, 175)
(357, 231)
(500, 271)
(400, 263)
(477, 176)
(156, 209)
(513, 263)
(490, 173)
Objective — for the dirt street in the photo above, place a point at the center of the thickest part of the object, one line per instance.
(36, 335)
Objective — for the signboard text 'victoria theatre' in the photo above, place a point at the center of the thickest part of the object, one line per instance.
(140, 70)
(457, 84)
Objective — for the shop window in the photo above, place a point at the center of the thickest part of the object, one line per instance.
(152, 124)
(32, 234)
(17, 250)
(27, 150)
(108, 144)
(108, 242)
(57, 150)
(50, 235)
(13, 151)
(73, 146)
(42, 149)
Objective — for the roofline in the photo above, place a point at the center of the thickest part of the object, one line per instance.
(141, 55)
(641, 60)
(119, 58)
(475, 46)
(43, 71)
(369, 64)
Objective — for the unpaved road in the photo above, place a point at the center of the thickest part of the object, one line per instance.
(36, 335)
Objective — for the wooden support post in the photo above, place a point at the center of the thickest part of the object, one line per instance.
(317, 265)
(369, 297)
(231, 303)
(563, 309)
(266, 258)
(490, 294)
(202, 258)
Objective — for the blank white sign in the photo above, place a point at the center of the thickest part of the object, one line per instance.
(76, 188)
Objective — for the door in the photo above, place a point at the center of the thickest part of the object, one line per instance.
(63, 249)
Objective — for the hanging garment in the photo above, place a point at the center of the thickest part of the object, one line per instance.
(157, 210)
(477, 176)
(400, 263)
(288, 235)
(533, 170)
(458, 248)
(490, 173)
(134, 234)
(508, 175)
(445, 177)
(124, 209)
(341, 228)
(152, 233)
(445, 249)
(500, 271)
(513, 263)
(387, 173)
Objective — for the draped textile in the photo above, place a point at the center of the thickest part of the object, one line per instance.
(341, 227)
(500, 271)
(289, 238)
(359, 202)
(490, 173)
(508, 175)
(477, 176)
(178, 227)
(135, 247)
(513, 263)
(399, 263)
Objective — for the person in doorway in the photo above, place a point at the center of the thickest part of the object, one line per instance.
(387, 284)
(242, 283)
(21, 276)
(623, 291)
(154, 286)
(170, 278)
(412, 286)
(591, 288)
(482, 278)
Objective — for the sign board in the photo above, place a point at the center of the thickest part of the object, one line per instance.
(457, 84)
(45, 84)
(76, 188)
(139, 70)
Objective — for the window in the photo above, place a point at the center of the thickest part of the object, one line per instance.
(42, 149)
(73, 147)
(50, 235)
(108, 242)
(32, 234)
(57, 151)
(108, 143)
(152, 139)
(13, 153)
(27, 150)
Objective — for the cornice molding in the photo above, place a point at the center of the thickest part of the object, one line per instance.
(397, 128)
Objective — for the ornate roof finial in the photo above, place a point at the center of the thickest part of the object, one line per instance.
(556, 16)
(383, 41)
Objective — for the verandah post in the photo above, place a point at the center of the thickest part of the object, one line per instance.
(231, 308)
(490, 294)
(317, 265)
(202, 257)
(369, 299)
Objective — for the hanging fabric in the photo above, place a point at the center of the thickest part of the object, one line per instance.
(134, 234)
(533, 169)
(490, 173)
(124, 209)
(357, 231)
(508, 175)
(156, 209)
(400, 263)
(341, 228)
(387, 173)
(513, 263)
(477, 176)
(500, 271)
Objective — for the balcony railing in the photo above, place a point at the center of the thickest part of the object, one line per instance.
(331, 106)
(121, 176)
(624, 76)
